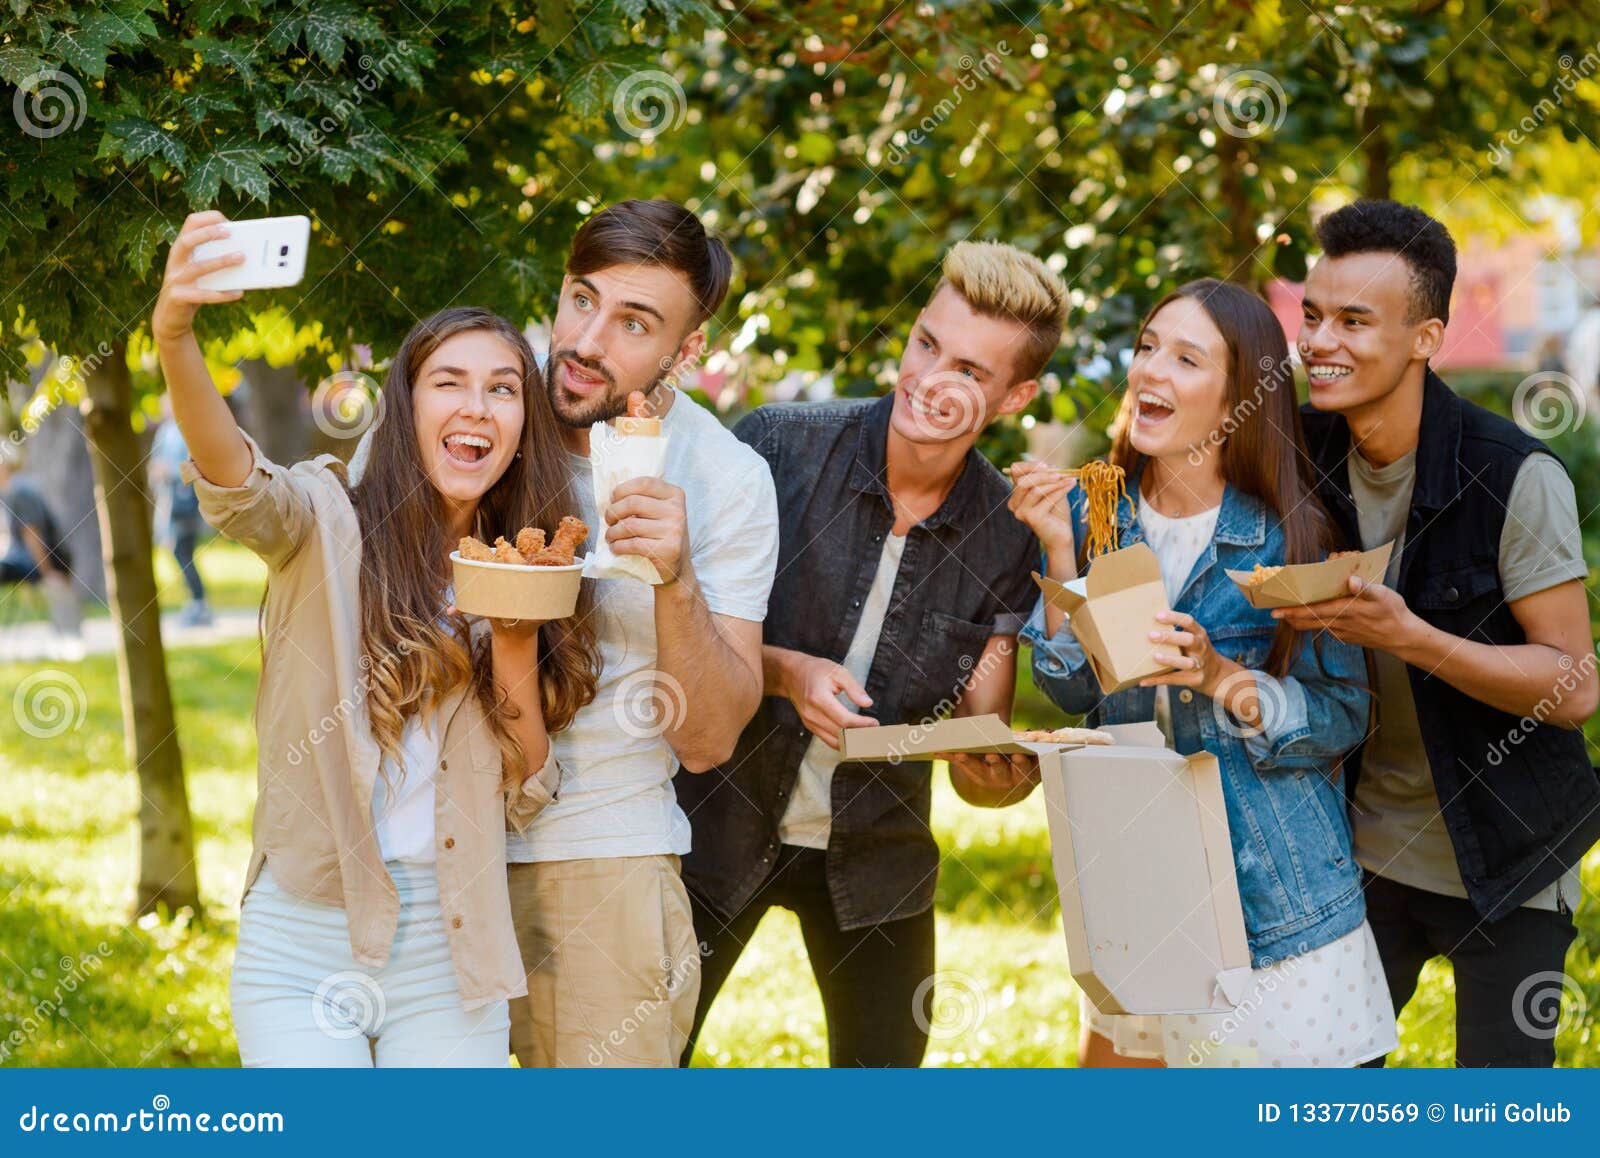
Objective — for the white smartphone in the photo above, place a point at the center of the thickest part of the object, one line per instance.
(274, 254)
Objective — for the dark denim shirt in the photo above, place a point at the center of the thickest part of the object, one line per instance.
(964, 577)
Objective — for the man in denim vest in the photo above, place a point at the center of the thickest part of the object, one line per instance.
(1473, 797)
(902, 583)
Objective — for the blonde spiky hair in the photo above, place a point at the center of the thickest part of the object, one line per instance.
(1001, 281)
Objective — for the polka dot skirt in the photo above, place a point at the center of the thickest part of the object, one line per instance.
(1328, 1007)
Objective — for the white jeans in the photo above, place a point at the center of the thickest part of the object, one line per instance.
(299, 998)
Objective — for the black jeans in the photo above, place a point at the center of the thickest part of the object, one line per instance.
(18, 570)
(1508, 973)
(185, 534)
(869, 978)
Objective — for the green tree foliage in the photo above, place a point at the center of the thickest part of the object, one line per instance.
(403, 130)
(1134, 146)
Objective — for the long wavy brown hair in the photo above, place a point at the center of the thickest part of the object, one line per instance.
(412, 661)
(1261, 448)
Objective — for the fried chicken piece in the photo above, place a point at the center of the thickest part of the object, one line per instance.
(1261, 574)
(1342, 555)
(564, 547)
(504, 552)
(638, 405)
(476, 550)
(530, 541)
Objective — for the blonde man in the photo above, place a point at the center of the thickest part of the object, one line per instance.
(902, 583)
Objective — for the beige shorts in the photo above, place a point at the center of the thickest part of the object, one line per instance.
(613, 967)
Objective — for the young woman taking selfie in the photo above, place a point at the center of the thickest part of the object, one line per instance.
(396, 739)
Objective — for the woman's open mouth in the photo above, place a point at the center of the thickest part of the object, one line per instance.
(467, 449)
(1152, 408)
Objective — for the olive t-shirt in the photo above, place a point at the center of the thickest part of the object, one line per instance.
(1399, 831)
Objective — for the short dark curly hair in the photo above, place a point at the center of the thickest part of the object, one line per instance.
(1369, 226)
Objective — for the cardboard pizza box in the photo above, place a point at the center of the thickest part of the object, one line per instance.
(1112, 610)
(1297, 584)
(896, 742)
(1143, 859)
(1144, 866)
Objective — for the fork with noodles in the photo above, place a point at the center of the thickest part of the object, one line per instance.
(1104, 487)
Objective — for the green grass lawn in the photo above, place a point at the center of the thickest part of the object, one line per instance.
(84, 988)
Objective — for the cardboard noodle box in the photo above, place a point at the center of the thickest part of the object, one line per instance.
(1144, 865)
(509, 591)
(1297, 584)
(896, 742)
(1113, 609)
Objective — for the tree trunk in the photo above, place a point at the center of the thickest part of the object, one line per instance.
(167, 873)
(1376, 152)
(1234, 155)
(278, 406)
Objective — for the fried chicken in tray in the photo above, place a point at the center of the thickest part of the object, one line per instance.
(530, 549)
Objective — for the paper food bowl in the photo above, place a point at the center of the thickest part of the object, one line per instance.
(510, 591)
(1297, 584)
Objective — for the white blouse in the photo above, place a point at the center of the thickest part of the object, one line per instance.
(403, 797)
(403, 800)
(1178, 544)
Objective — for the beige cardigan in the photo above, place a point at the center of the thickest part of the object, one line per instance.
(317, 762)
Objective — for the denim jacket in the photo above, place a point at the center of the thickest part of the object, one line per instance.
(1298, 880)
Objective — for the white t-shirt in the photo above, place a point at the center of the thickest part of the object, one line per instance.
(808, 820)
(616, 796)
(402, 803)
(1178, 544)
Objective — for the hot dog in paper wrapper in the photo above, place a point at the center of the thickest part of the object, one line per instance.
(634, 448)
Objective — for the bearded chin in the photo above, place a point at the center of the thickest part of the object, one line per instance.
(582, 413)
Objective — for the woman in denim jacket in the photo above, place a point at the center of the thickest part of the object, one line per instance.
(1209, 435)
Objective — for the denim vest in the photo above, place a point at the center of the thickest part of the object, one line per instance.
(1520, 797)
(963, 579)
(1298, 881)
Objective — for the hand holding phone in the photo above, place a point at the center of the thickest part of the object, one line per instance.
(207, 252)
(274, 251)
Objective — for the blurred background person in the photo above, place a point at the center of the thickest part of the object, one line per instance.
(1582, 356)
(35, 550)
(177, 513)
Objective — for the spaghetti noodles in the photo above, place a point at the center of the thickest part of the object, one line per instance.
(1104, 488)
